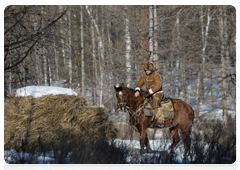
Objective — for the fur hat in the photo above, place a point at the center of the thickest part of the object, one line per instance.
(149, 66)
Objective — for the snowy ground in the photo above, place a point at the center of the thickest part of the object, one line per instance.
(158, 146)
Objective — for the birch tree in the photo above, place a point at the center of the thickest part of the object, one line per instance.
(223, 68)
(44, 58)
(151, 32)
(37, 63)
(56, 60)
(50, 72)
(100, 44)
(82, 53)
(200, 80)
(178, 55)
(62, 32)
(128, 48)
(155, 35)
(94, 59)
(110, 55)
(70, 49)
(225, 30)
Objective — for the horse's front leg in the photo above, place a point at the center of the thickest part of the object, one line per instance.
(148, 145)
(142, 151)
(144, 139)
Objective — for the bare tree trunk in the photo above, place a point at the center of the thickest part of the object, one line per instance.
(94, 60)
(37, 67)
(101, 55)
(36, 58)
(226, 35)
(205, 36)
(110, 63)
(70, 49)
(200, 83)
(178, 56)
(128, 49)
(151, 32)
(50, 72)
(44, 60)
(102, 60)
(62, 41)
(211, 88)
(56, 60)
(197, 96)
(183, 78)
(44, 66)
(82, 54)
(155, 36)
(223, 69)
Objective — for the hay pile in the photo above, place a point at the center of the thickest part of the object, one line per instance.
(44, 117)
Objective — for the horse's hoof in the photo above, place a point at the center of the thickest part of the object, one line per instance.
(150, 151)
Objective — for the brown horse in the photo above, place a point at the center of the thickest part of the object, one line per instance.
(183, 118)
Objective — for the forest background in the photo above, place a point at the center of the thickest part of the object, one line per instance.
(92, 48)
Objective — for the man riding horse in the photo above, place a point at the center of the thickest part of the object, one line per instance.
(153, 86)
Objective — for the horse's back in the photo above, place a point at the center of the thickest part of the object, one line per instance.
(179, 103)
(181, 107)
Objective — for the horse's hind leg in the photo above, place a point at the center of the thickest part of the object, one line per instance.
(149, 150)
(187, 140)
(175, 137)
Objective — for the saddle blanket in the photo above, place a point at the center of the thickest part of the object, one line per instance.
(167, 108)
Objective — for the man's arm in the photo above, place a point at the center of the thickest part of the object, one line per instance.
(157, 82)
(139, 84)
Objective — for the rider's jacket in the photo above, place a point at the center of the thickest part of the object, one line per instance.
(152, 82)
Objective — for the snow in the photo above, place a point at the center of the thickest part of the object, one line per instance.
(39, 91)
(159, 146)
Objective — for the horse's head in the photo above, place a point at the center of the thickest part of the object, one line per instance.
(122, 97)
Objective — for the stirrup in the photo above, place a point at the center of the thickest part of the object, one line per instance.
(158, 124)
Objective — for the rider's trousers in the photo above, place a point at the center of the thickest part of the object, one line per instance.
(157, 109)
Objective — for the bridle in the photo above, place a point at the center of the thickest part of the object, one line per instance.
(122, 103)
(125, 104)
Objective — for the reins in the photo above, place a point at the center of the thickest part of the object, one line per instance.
(148, 98)
(123, 104)
(135, 115)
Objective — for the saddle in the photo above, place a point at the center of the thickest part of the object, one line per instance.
(167, 108)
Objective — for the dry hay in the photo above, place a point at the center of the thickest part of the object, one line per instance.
(44, 117)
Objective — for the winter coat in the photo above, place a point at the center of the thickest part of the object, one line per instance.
(152, 82)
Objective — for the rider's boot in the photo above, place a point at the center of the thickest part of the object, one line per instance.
(159, 121)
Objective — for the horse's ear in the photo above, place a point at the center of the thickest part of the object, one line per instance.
(122, 85)
(115, 88)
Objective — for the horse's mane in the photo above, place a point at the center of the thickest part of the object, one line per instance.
(127, 88)
(130, 89)
(121, 89)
